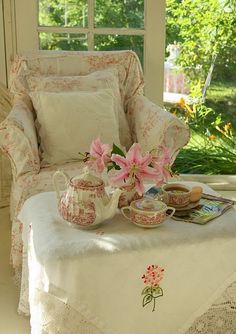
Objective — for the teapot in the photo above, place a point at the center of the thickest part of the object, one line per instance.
(85, 202)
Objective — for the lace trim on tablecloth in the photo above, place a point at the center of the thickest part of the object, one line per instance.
(220, 317)
(58, 317)
(23, 306)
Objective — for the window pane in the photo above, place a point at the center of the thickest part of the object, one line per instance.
(63, 13)
(119, 13)
(119, 42)
(62, 41)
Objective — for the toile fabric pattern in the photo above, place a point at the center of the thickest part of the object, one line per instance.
(19, 140)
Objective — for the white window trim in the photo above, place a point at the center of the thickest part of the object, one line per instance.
(9, 37)
(217, 182)
(3, 67)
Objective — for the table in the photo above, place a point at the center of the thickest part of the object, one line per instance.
(96, 276)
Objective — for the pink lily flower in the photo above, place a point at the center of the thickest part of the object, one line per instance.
(99, 155)
(134, 168)
(164, 154)
(161, 163)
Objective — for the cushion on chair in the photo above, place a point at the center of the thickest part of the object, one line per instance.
(97, 80)
(69, 121)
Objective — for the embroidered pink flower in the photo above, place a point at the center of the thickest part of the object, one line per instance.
(134, 168)
(153, 275)
(99, 156)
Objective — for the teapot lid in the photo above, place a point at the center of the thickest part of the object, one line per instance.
(86, 180)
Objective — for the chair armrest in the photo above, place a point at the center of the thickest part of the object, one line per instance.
(18, 139)
(152, 126)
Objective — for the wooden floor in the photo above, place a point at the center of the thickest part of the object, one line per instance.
(10, 321)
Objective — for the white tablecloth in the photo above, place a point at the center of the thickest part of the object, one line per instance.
(99, 273)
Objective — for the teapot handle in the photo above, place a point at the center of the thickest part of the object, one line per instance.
(66, 177)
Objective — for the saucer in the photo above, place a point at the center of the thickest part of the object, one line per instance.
(186, 207)
(181, 212)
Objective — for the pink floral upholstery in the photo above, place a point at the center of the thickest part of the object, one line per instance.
(149, 124)
(19, 141)
(152, 125)
(78, 63)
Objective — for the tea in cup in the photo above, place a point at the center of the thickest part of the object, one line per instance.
(179, 195)
(147, 213)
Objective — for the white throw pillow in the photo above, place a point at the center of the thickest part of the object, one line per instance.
(69, 121)
(96, 80)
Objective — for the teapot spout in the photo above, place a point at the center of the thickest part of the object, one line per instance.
(110, 208)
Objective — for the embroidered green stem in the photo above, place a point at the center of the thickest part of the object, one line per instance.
(154, 304)
(151, 294)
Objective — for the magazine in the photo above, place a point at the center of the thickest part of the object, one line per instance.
(208, 208)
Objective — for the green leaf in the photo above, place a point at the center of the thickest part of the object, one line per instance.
(117, 150)
(146, 290)
(113, 165)
(147, 299)
(157, 292)
(110, 167)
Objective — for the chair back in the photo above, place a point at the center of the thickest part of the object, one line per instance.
(72, 63)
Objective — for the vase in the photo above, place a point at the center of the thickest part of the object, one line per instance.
(129, 195)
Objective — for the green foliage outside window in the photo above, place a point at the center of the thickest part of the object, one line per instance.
(206, 33)
(107, 14)
(119, 14)
(63, 13)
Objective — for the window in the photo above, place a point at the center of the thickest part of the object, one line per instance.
(91, 25)
(97, 25)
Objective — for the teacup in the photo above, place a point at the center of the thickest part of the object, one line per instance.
(147, 213)
(179, 195)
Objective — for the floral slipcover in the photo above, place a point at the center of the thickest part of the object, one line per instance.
(149, 124)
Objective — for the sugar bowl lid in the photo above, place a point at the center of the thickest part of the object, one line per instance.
(148, 204)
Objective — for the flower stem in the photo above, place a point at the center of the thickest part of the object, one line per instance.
(154, 304)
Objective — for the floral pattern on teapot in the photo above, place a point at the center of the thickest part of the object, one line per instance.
(81, 213)
(85, 203)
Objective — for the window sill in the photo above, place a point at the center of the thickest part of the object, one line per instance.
(217, 182)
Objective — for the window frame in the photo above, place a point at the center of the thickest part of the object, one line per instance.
(3, 72)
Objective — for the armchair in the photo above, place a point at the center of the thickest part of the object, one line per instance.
(149, 124)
